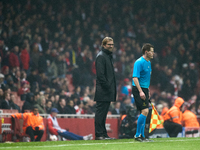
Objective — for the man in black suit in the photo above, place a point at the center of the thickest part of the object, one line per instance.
(105, 87)
(5, 104)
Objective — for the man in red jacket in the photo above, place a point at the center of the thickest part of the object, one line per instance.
(25, 58)
(55, 129)
(13, 58)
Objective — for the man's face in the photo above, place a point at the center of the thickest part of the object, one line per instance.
(54, 114)
(150, 53)
(109, 46)
(49, 104)
(63, 102)
(8, 96)
(35, 111)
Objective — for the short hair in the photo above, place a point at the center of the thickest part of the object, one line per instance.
(48, 101)
(34, 107)
(105, 40)
(146, 47)
(6, 94)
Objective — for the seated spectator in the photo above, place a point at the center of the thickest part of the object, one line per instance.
(14, 57)
(48, 106)
(52, 99)
(33, 124)
(5, 104)
(89, 107)
(29, 102)
(62, 106)
(70, 107)
(55, 129)
(11, 84)
(24, 88)
(79, 108)
(126, 88)
(13, 105)
(116, 110)
(42, 105)
(1, 96)
(165, 109)
(2, 84)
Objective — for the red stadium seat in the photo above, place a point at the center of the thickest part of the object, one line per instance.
(17, 125)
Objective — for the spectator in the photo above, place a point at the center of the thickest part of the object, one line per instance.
(48, 106)
(5, 104)
(29, 102)
(62, 106)
(14, 58)
(41, 105)
(79, 108)
(1, 96)
(177, 42)
(116, 110)
(126, 88)
(25, 57)
(70, 108)
(2, 85)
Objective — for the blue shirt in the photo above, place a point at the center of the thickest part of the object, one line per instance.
(142, 70)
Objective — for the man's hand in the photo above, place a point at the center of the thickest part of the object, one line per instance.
(149, 94)
(36, 128)
(142, 95)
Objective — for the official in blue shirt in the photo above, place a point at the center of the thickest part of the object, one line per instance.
(140, 89)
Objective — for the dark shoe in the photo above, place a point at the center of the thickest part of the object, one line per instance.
(146, 139)
(139, 139)
(100, 138)
(109, 138)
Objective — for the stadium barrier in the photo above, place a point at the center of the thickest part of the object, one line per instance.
(78, 124)
(84, 124)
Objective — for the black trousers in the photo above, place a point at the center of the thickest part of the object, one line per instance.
(32, 133)
(172, 128)
(100, 118)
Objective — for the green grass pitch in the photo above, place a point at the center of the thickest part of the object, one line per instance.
(125, 144)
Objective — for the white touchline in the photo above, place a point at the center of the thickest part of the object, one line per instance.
(63, 145)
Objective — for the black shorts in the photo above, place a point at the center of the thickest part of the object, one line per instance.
(140, 103)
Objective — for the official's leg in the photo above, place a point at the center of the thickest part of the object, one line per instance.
(30, 132)
(39, 134)
(169, 128)
(70, 135)
(176, 129)
(142, 105)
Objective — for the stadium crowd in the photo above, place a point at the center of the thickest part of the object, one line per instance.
(43, 42)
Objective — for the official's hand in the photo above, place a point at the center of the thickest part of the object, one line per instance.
(36, 128)
(142, 95)
(149, 95)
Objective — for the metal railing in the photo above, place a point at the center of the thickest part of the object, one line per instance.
(64, 115)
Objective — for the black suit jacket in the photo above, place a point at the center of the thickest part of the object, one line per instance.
(105, 77)
(5, 105)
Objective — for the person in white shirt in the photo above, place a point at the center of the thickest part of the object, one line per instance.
(55, 129)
